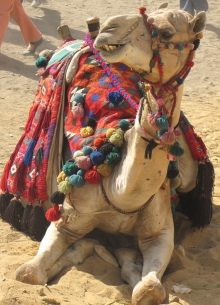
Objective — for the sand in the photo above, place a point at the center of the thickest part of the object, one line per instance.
(95, 282)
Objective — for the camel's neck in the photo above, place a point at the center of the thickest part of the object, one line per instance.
(136, 178)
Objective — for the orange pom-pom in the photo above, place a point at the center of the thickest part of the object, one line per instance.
(53, 214)
(99, 142)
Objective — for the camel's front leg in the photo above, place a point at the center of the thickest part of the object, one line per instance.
(156, 252)
(54, 244)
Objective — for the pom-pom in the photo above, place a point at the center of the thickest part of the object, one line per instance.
(170, 46)
(92, 176)
(162, 122)
(176, 150)
(180, 46)
(109, 132)
(168, 137)
(117, 138)
(97, 157)
(76, 180)
(196, 44)
(161, 132)
(80, 172)
(171, 157)
(155, 33)
(190, 64)
(151, 119)
(77, 154)
(46, 53)
(179, 81)
(106, 148)
(79, 98)
(91, 122)
(160, 102)
(65, 187)
(177, 133)
(53, 214)
(70, 168)
(83, 162)
(99, 142)
(41, 62)
(115, 98)
(61, 177)
(124, 125)
(104, 169)
(57, 197)
(78, 111)
(86, 131)
(172, 172)
(113, 158)
(87, 150)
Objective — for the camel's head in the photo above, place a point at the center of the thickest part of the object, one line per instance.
(130, 39)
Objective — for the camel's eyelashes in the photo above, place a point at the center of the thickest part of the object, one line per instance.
(166, 35)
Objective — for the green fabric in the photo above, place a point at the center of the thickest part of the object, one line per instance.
(66, 51)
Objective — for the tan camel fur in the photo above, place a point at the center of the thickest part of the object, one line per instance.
(135, 180)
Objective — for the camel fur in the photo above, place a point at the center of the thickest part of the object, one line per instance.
(136, 180)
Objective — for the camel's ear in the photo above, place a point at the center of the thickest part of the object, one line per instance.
(163, 5)
(197, 24)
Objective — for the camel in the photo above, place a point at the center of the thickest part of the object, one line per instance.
(135, 199)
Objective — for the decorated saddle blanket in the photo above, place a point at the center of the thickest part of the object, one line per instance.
(95, 106)
(90, 96)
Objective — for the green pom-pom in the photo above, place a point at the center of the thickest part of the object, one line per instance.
(176, 150)
(70, 168)
(124, 124)
(113, 158)
(41, 62)
(65, 187)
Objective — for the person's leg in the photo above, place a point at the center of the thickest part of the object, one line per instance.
(200, 5)
(28, 29)
(5, 9)
(187, 5)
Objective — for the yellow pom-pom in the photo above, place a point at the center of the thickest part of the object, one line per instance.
(86, 131)
(117, 139)
(104, 169)
(109, 132)
(61, 177)
(65, 187)
(199, 35)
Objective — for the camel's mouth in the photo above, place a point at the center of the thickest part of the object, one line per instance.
(110, 48)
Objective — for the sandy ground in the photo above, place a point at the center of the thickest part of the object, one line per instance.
(95, 282)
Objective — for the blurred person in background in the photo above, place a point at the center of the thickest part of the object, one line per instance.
(194, 6)
(14, 9)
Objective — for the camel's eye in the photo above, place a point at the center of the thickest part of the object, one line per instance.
(166, 35)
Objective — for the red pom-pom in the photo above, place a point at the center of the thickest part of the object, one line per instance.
(99, 142)
(142, 10)
(92, 176)
(53, 214)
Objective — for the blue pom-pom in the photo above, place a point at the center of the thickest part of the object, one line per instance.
(97, 157)
(115, 98)
(124, 124)
(162, 122)
(87, 150)
(76, 180)
(80, 172)
(180, 46)
(179, 81)
(79, 98)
